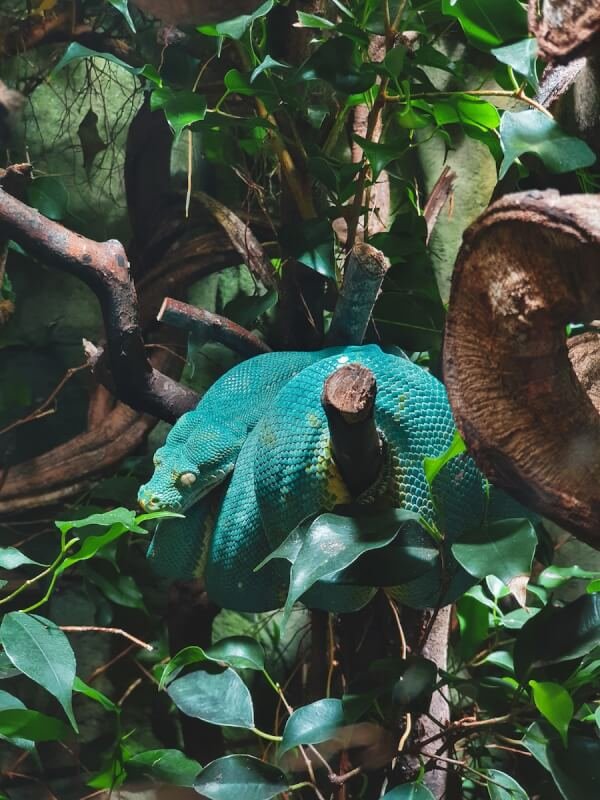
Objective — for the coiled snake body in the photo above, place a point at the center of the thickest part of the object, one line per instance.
(253, 460)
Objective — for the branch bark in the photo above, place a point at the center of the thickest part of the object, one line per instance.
(211, 327)
(349, 402)
(364, 271)
(103, 266)
(564, 28)
(528, 268)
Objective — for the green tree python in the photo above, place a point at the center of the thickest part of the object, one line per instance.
(253, 460)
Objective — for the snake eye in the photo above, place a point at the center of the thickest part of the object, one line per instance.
(187, 479)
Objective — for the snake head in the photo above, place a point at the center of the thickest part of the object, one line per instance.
(184, 473)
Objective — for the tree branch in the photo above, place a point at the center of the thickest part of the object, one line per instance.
(348, 401)
(211, 327)
(103, 266)
(364, 271)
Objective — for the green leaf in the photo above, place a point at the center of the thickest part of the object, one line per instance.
(521, 56)
(475, 112)
(504, 548)
(574, 769)
(181, 107)
(122, 516)
(42, 652)
(165, 766)
(330, 543)
(413, 689)
(555, 704)
(338, 62)
(553, 577)
(7, 702)
(593, 586)
(433, 466)
(312, 724)
(409, 791)
(240, 776)
(123, 8)
(268, 62)
(21, 723)
(93, 694)
(311, 243)
(49, 196)
(235, 28)
(558, 634)
(379, 155)
(488, 23)
(502, 787)
(239, 652)
(534, 132)
(11, 558)
(75, 52)
(473, 624)
(221, 698)
(119, 589)
(313, 21)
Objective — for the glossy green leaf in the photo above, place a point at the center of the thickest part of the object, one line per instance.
(475, 112)
(268, 62)
(433, 466)
(41, 651)
(558, 634)
(49, 196)
(81, 687)
(180, 106)
(184, 658)
(122, 516)
(236, 28)
(502, 787)
(92, 545)
(521, 56)
(473, 624)
(593, 586)
(21, 723)
(330, 543)
(488, 23)
(414, 687)
(75, 52)
(123, 8)
(311, 243)
(575, 769)
(11, 558)
(8, 702)
(504, 548)
(534, 132)
(221, 698)
(165, 766)
(553, 577)
(409, 791)
(313, 724)
(240, 776)
(555, 704)
(379, 155)
(239, 652)
(313, 21)
(117, 587)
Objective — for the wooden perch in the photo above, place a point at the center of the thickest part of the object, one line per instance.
(211, 327)
(526, 400)
(364, 271)
(103, 266)
(564, 28)
(349, 400)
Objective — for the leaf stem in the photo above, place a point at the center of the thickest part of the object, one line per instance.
(517, 94)
(269, 736)
(41, 575)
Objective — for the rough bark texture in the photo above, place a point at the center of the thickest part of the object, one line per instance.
(364, 271)
(349, 402)
(564, 28)
(211, 327)
(527, 268)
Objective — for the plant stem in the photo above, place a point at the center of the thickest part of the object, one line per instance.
(517, 94)
(43, 574)
(269, 736)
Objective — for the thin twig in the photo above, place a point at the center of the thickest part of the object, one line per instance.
(517, 94)
(130, 689)
(396, 615)
(115, 631)
(103, 667)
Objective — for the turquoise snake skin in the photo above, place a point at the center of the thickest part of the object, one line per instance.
(253, 460)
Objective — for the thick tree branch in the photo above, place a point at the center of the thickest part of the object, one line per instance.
(564, 29)
(364, 271)
(103, 266)
(531, 416)
(211, 327)
(349, 401)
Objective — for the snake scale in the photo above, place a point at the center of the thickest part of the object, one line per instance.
(253, 460)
